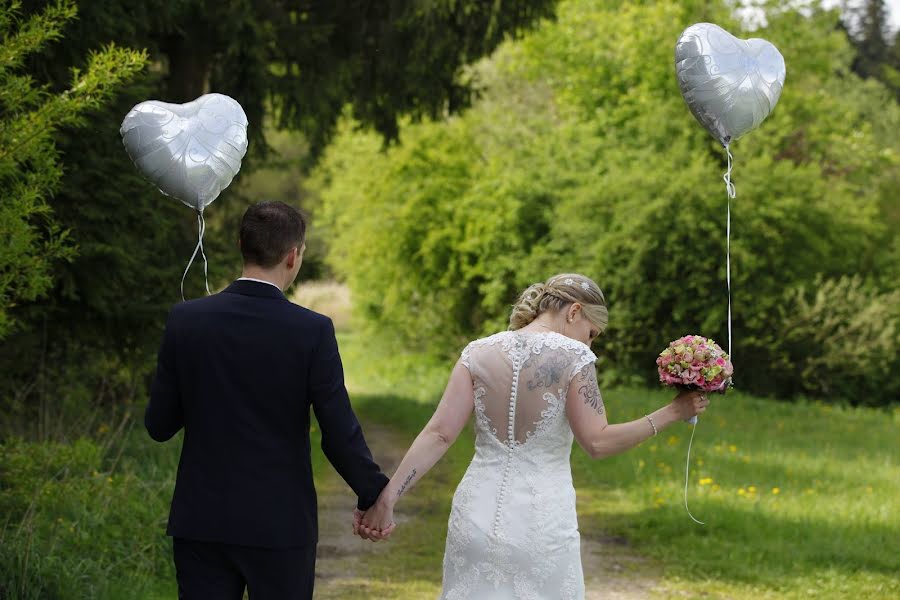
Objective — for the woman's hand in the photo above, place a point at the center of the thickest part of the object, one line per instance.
(377, 523)
(689, 403)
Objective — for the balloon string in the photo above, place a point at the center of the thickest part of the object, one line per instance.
(732, 193)
(203, 252)
(201, 229)
(687, 469)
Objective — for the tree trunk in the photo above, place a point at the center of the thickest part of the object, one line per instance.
(189, 56)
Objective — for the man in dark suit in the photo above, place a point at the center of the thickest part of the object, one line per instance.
(239, 370)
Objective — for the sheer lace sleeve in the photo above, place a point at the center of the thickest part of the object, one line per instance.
(466, 356)
(584, 361)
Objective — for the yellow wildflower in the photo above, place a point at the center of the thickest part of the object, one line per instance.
(706, 481)
(752, 489)
(732, 448)
(776, 491)
(742, 492)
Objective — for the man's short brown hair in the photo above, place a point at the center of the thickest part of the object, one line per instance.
(268, 232)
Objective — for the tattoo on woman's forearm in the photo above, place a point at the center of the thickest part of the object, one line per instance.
(406, 483)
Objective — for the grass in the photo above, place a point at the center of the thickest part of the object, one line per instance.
(799, 499)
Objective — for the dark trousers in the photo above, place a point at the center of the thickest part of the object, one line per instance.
(211, 571)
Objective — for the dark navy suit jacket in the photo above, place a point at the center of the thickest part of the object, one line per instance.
(239, 370)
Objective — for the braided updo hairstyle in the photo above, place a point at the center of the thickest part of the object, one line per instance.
(557, 293)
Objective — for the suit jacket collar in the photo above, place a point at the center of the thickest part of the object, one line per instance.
(254, 288)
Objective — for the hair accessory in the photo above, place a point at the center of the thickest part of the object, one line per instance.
(569, 281)
(585, 286)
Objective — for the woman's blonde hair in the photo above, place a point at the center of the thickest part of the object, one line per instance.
(557, 293)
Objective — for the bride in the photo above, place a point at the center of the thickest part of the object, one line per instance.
(513, 530)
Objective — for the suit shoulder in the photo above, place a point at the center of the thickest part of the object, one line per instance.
(192, 306)
(309, 316)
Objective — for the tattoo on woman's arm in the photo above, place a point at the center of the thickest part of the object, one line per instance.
(406, 483)
(589, 390)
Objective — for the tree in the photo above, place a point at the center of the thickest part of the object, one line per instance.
(868, 28)
(292, 64)
(573, 162)
(307, 60)
(32, 240)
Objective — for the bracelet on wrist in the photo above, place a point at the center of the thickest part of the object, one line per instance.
(649, 420)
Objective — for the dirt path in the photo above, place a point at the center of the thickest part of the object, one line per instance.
(613, 571)
(340, 560)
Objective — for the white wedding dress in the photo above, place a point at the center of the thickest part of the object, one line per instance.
(513, 530)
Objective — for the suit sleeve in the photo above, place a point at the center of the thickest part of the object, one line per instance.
(342, 437)
(164, 415)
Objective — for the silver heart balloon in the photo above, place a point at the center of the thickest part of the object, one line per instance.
(190, 151)
(730, 85)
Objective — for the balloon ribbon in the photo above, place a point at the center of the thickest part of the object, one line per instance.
(201, 229)
(732, 194)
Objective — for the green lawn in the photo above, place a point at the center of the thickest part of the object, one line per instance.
(799, 500)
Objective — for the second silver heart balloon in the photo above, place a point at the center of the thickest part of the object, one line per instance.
(730, 85)
(190, 151)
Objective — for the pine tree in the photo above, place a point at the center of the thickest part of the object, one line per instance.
(31, 239)
(868, 28)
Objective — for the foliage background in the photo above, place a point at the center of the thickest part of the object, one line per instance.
(580, 155)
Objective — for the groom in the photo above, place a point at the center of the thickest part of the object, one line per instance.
(239, 370)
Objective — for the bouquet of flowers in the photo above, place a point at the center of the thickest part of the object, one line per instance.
(695, 362)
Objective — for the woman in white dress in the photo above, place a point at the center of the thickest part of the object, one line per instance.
(513, 530)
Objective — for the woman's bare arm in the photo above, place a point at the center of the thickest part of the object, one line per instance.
(587, 417)
(432, 443)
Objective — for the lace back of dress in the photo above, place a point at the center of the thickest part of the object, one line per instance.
(521, 382)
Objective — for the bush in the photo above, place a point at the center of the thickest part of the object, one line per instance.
(840, 340)
(74, 520)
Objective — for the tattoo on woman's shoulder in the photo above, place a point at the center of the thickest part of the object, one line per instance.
(589, 390)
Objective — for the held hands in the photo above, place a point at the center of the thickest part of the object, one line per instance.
(375, 524)
(689, 403)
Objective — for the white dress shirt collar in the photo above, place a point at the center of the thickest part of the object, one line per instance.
(259, 281)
